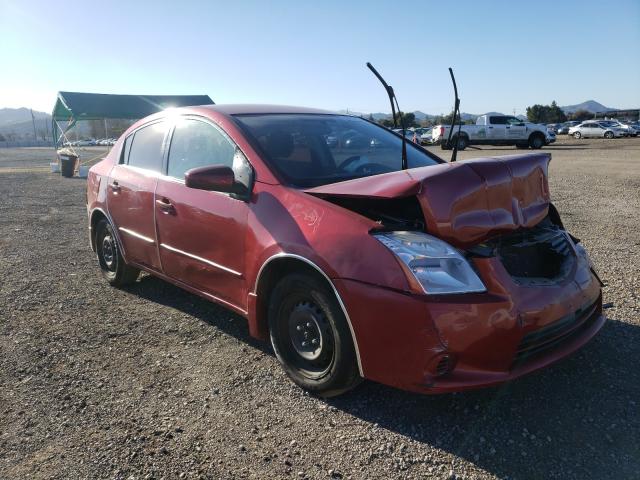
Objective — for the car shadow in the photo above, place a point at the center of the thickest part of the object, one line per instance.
(577, 419)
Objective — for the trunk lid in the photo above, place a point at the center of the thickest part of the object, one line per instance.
(466, 202)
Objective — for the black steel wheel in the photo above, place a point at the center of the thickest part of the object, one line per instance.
(310, 336)
(112, 265)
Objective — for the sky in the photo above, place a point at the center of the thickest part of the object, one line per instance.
(506, 54)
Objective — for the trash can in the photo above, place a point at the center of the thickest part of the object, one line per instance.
(67, 164)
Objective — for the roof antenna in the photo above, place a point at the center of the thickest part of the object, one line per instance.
(392, 97)
(456, 114)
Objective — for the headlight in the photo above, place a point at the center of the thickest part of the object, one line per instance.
(436, 265)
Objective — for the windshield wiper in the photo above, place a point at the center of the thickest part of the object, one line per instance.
(456, 114)
(392, 97)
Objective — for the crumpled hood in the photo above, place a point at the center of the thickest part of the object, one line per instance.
(466, 202)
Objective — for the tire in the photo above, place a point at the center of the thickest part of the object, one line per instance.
(444, 145)
(310, 336)
(608, 134)
(536, 142)
(112, 265)
(577, 135)
(463, 142)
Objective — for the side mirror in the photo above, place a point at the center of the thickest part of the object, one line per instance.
(215, 178)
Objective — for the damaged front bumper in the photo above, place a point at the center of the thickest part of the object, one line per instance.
(437, 344)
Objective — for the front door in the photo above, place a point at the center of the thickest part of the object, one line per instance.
(201, 234)
(516, 129)
(130, 194)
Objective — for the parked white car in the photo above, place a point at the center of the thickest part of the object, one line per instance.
(596, 129)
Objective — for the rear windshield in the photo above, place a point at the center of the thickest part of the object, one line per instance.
(309, 150)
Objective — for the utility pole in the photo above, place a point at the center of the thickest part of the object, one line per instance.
(33, 120)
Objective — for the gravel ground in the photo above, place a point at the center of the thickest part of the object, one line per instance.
(153, 382)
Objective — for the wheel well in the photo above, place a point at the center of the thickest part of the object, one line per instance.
(536, 134)
(96, 216)
(269, 277)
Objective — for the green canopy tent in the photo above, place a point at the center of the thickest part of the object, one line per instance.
(72, 107)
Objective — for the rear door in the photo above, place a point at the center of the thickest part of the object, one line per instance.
(593, 130)
(130, 194)
(201, 234)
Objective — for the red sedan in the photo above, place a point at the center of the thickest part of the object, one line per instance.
(434, 278)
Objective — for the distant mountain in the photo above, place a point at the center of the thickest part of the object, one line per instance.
(10, 116)
(590, 106)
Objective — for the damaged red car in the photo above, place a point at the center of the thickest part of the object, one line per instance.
(433, 278)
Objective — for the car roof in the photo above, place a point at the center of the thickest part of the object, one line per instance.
(249, 109)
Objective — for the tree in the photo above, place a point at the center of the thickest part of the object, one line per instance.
(409, 120)
(580, 115)
(546, 113)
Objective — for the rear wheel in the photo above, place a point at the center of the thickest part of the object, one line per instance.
(310, 336)
(608, 134)
(112, 265)
(463, 142)
(577, 135)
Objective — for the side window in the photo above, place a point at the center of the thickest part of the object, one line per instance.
(126, 149)
(146, 147)
(198, 144)
(498, 120)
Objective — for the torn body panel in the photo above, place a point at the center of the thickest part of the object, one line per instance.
(463, 203)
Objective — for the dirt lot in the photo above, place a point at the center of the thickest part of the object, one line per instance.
(152, 382)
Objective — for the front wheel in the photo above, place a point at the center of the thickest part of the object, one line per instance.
(112, 264)
(608, 134)
(310, 336)
(536, 142)
(577, 135)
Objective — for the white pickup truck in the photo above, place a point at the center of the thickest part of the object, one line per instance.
(494, 130)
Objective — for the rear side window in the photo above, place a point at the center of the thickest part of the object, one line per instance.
(146, 147)
(197, 144)
(126, 149)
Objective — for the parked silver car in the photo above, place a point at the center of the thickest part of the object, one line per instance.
(629, 130)
(595, 129)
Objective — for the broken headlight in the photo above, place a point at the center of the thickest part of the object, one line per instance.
(435, 264)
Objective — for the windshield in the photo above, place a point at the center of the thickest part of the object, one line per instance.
(309, 150)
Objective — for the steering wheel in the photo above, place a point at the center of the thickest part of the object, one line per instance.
(371, 168)
(368, 168)
(349, 161)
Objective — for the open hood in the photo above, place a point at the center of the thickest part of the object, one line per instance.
(466, 202)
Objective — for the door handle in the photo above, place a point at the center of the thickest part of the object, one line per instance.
(490, 127)
(115, 187)
(165, 205)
